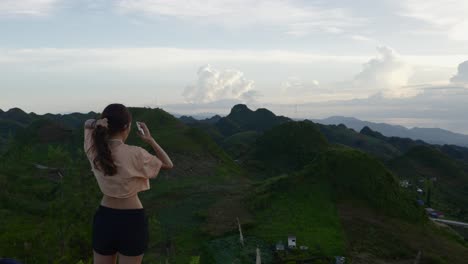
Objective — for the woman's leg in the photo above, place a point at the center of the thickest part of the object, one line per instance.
(104, 259)
(130, 260)
(133, 237)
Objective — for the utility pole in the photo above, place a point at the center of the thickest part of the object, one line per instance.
(241, 237)
(418, 258)
(259, 257)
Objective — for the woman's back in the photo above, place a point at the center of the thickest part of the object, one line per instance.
(135, 166)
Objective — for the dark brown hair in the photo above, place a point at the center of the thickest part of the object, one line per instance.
(118, 119)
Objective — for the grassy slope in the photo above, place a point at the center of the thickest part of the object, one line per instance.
(376, 238)
(347, 202)
(286, 147)
(239, 144)
(348, 137)
(381, 221)
(450, 190)
(287, 206)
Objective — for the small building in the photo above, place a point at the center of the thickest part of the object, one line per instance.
(279, 246)
(404, 183)
(429, 210)
(291, 241)
(433, 213)
(339, 260)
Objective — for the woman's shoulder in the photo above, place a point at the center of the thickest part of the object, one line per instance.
(132, 148)
(132, 151)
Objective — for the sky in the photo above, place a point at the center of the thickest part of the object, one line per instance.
(395, 61)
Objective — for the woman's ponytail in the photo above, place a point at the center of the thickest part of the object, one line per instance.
(103, 158)
(118, 119)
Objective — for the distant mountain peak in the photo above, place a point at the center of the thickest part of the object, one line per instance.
(240, 108)
(366, 129)
(241, 118)
(15, 110)
(372, 133)
(265, 111)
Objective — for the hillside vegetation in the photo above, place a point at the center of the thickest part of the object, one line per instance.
(338, 191)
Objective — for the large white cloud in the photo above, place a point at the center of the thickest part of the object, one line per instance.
(462, 75)
(213, 85)
(27, 7)
(387, 74)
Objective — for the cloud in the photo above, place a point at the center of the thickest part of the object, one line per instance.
(387, 74)
(362, 38)
(462, 75)
(285, 15)
(295, 89)
(445, 17)
(296, 86)
(27, 7)
(213, 85)
(66, 59)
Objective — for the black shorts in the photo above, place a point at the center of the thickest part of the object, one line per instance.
(120, 230)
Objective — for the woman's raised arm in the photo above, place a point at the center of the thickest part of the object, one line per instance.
(160, 153)
(92, 123)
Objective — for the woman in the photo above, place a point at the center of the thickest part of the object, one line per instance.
(120, 224)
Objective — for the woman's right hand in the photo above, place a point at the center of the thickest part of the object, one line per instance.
(147, 136)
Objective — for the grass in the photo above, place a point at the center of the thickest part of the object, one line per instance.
(450, 191)
(229, 250)
(304, 210)
(373, 237)
(180, 205)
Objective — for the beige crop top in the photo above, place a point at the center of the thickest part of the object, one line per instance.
(135, 166)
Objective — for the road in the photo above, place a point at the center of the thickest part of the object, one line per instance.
(450, 222)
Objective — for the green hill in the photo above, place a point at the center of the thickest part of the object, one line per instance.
(428, 167)
(241, 118)
(240, 144)
(340, 134)
(287, 147)
(17, 115)
(347, 203)
(405, 144)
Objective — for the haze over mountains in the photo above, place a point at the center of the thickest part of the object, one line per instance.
(430, 135)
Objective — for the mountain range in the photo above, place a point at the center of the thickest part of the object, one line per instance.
(430, 135)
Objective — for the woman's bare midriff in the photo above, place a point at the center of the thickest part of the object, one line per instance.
(121, 203)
